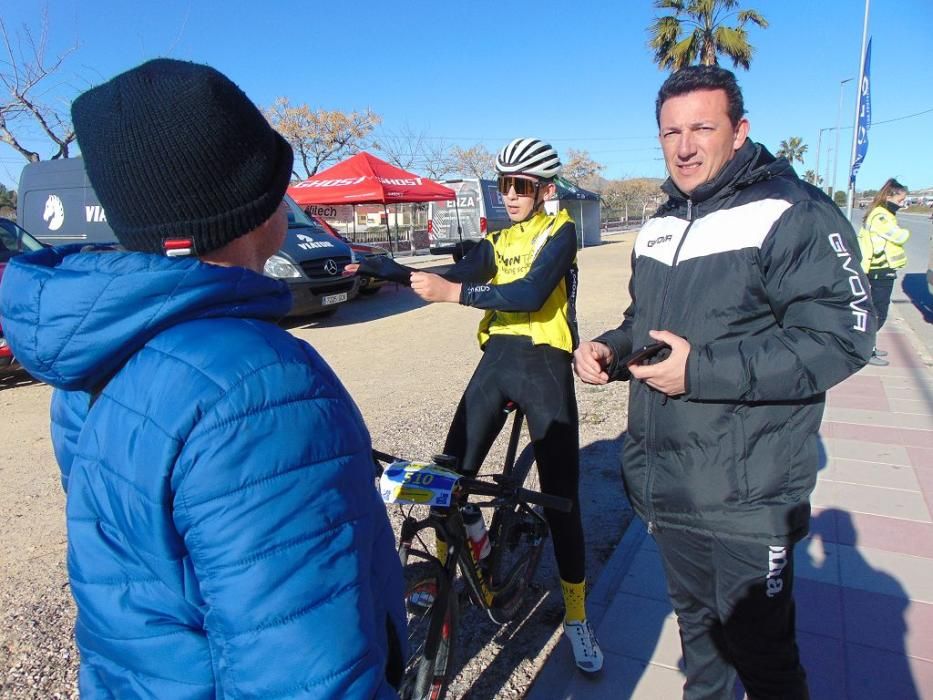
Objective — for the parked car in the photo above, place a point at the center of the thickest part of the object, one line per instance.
(57, 203)
(368, 285)
(13, 241)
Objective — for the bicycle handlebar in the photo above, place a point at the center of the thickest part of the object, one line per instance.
(484, 488)
(385, 457)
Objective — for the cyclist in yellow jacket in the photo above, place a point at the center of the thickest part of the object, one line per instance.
(881, 241)
(525, 278)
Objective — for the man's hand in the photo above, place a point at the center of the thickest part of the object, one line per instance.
(590, 361)
(431, 287)
(669, 376)
(350, 270)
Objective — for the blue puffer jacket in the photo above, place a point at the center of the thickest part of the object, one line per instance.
(225, 538)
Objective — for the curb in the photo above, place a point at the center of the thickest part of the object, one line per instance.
(554, 678)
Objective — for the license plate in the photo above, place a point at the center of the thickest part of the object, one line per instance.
(334, 298)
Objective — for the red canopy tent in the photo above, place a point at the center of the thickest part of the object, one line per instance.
(365, 179)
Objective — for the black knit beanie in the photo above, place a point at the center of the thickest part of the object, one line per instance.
(176, 150)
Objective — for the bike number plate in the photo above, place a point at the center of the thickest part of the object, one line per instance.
(421, 483)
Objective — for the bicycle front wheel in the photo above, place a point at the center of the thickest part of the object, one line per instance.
(433, 615)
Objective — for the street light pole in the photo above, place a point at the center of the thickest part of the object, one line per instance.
(819, 141)
(838, 119)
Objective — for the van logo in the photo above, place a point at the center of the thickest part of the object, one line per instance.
(308, 243)
(54, 214)
(95, 214)
(330, 266)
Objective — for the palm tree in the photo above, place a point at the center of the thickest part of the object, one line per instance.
(811, 177)
(792, 149)
(697, 32)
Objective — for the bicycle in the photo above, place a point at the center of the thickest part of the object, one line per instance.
(497, 583)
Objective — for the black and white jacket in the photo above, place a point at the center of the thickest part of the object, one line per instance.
(760, 272)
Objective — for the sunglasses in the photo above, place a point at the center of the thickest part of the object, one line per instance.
(522, 185)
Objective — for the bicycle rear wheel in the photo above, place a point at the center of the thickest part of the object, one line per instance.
(432, 623)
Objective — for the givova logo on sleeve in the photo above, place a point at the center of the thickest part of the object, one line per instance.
(859, 304)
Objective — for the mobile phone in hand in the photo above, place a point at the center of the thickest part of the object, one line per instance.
(645, 352)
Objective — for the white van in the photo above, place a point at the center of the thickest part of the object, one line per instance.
(456, 225)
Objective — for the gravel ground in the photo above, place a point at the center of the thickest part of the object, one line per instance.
(406, 364)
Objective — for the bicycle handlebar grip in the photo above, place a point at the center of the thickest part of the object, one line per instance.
(480, 488)
(564, 505)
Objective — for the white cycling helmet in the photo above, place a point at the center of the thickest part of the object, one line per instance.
(528, 157)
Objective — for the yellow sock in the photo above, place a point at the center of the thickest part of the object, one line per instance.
(440, 547)
(574, 600)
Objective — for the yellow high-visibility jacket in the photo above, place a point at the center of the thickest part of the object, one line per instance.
(881, 241)
(525, 277)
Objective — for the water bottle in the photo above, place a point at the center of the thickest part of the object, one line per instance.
(476, 531)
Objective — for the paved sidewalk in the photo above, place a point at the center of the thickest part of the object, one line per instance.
(864, 584)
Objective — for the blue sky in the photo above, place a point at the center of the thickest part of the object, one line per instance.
(579, 74)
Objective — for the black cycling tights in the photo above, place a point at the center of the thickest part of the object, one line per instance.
(538, 379)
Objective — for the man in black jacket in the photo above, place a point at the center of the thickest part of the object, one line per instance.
(752, 279)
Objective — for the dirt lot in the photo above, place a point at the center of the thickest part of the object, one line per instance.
(406, 364)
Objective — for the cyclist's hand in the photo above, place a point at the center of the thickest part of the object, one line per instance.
(349, 270)
(667, 376)
(590, 361)
(431, 287)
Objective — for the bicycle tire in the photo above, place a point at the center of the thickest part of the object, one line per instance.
(428, 678)
(518, 534)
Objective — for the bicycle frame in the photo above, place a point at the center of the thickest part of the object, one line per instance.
(499, 593)
(450, 527)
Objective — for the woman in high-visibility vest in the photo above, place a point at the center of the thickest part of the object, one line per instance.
(881, 241)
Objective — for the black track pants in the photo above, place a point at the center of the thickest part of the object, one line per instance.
(539, 379)
(735, 608)
(881, 289)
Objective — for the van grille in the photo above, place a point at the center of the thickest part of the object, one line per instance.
(314, 269)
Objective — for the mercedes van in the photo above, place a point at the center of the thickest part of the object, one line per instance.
(57, 204)
(456, 225)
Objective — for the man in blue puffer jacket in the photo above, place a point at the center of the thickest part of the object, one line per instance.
(225, 538)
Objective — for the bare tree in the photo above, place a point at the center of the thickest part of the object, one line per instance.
(439, 161)
(639, 193)
(475, 161)
(320, 136)
(580, 169)
(403, 148)
(24, 72)
(416, 151)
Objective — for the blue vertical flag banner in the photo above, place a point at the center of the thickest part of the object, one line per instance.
(864, 116)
